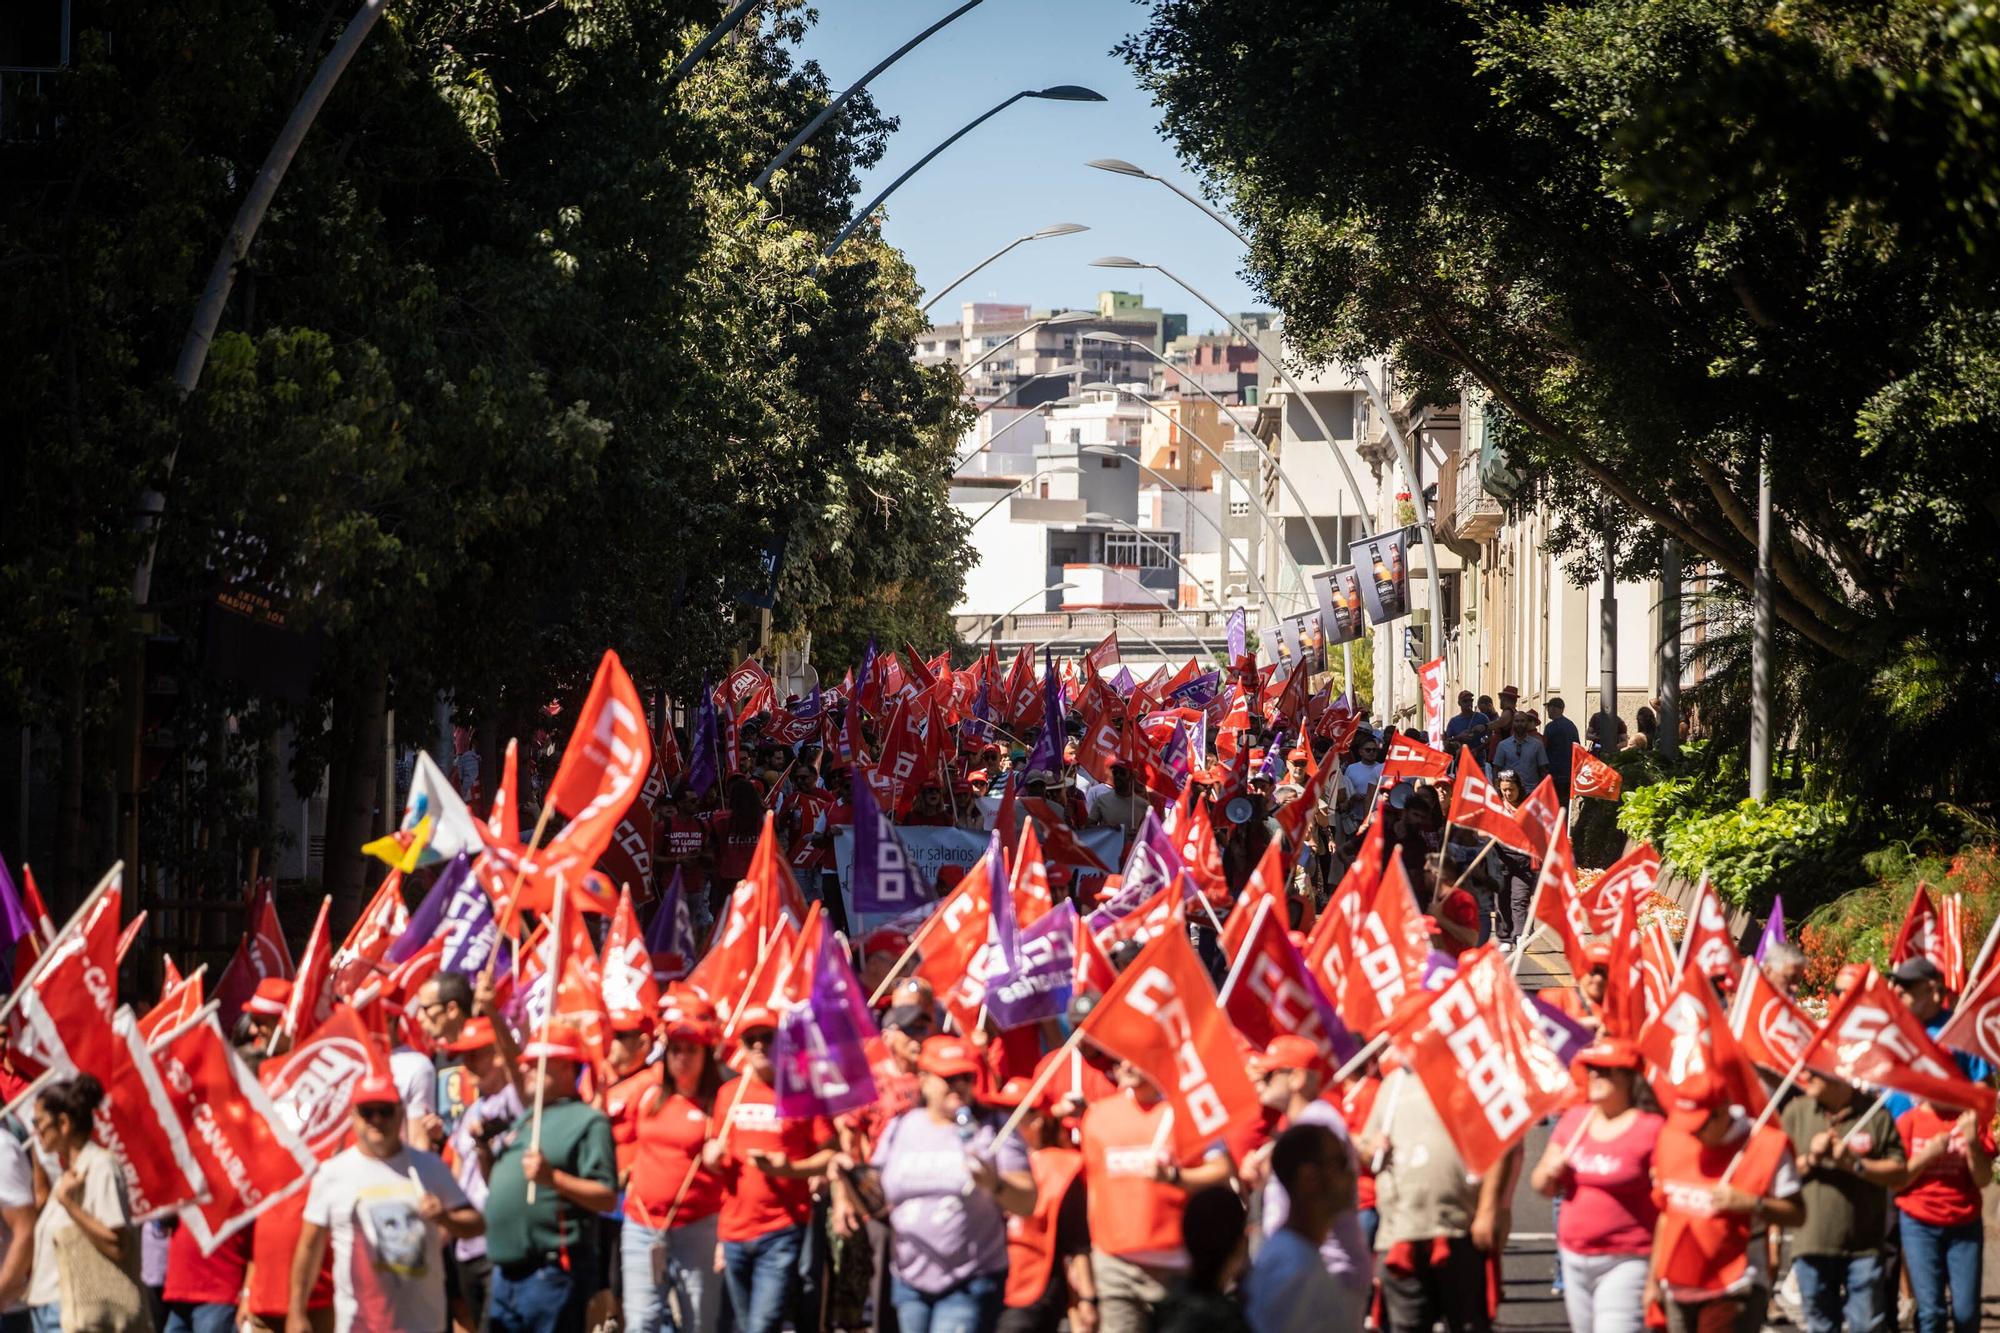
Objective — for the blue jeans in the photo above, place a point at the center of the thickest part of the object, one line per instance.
(1944, 1273)
(761, 1273)
(187, 1317)
(689, 1268)
(973, 1306)
(48, 1318)
(547, 1300)
(1842, 1291)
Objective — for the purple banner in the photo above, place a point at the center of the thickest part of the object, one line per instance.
(1239, 625)
(821, 1052)
(882, 878)
(1565, 1036)
(1046, 757)
(1028, 976)
(670, 936)
(1197, 693)
(470, 933)
(1152, 865)
(704, 752)
(1774, 927)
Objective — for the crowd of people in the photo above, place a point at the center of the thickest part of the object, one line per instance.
(1012, 1179)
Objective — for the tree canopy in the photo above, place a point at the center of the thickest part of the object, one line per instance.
(1672, 239)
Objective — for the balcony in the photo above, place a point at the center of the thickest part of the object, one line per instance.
(1465, 512)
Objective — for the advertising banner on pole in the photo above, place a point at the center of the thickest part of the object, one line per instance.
(1338, 592)
(1384, 567)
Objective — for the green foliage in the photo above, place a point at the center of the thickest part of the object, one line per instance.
(1673, 240)
(1861, 925)
(1758, 848)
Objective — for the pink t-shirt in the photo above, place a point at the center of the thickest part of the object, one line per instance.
(1607, 1201)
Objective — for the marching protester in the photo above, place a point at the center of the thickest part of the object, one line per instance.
(495, 1106)
(385, 1210)
(85, 1270)
(1939, 1212)
(668, 1242)
(1599, 1160)
(1291, 1288)
(1849, 1158)
(1291, 1079)
(1048, 1250)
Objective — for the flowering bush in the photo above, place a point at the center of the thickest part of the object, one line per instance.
(1861, 926)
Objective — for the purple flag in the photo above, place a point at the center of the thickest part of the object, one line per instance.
(1239, 625)
(821, 1052)
(1565, 1036)
(424, 922)
(882, 880)
(1197, 693)
(704, 761)
(1774, 927)
(1274, 758)
(1177, 758)
(670, 934)
(1149, 867)
(1028, 979)
(470, 934)
(1124, 683)
(14, 926)
(1046, 757)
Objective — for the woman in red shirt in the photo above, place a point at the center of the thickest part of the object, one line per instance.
(1600, 1160)
(667, 1246)
(1950, 1162)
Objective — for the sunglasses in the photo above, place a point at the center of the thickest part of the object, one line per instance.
(374, 1111)
(758, 1037)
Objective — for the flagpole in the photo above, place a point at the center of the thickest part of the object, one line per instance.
(1687, 936)
(1058, 1060)
(512, 920)
(1361, 1057)
(1880, 1102)
(1534, 902)
(916, 943)
(1473, 864)
(555, 990)
(40, 965)
(42, 1080)
(201, 1016)
(1771, 1104)
(1401, 1076)
(1985, 952)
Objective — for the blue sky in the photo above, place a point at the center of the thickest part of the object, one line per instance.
(1024, 169)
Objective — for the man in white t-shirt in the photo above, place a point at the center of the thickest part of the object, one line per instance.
(416, 1083)
(17, 1220)
(385, 1209)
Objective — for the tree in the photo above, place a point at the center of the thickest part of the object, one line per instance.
(1671, 240)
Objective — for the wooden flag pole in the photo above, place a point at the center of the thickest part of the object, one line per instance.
(512, 920)
(40, 965)
(1263, 910)
(916, 943)
(1473, 864)
(555, 985)
(1880, 1102)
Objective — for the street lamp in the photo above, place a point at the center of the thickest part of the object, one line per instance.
(1008, 494)
(1060, 229)
(1436, 579)
(1055, 321)
(992, 624)
(1095, 516)
(833, 108)
(1256, 581)
(1061, 92)
(1121, 167)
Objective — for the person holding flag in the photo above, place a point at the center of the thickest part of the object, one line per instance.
(1849, 1158)
(86, 1243)
(945, 1182)
(667, 1245)
(1938, 1210)
(1048, 1251)
(496, 1106)
(1291, 1077)
(556, 1171)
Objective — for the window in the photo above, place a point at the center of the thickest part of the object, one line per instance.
(1173, 458)
(1153, 551)
(1103, 461)
(1239, 509)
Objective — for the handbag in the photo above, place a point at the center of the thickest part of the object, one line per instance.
(99, 1295)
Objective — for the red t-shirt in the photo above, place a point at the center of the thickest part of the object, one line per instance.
(755, 1204)
(273, 1239)
(668, 1139)
(621, 1108)
(732, 851)
(212, 1279)
(1944, 1195)
(1607, 1202)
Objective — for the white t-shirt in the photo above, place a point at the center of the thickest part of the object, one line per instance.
(388, 1263)
(103, 1199)
(1290, 1291)
(416, 1079)
(1106, 807)
(17, 1187)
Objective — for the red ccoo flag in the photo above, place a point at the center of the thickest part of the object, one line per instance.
(1477, 804)
(1413, 759)
(1161, 1016)
(1773, 1031)
(1974, 1026)
(1708, 946)
(1873, 1038)
(1557, 904)
(1591, 776)
(1690, 1034)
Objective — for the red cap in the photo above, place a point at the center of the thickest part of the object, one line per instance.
(1293, 1052)
(270, 998)
(1011, 1093)
(556, 1041)
(630, 1020)
(377, 1090)
(1690, 1104)
(1298, 755)
(1598, 952)
(756, 1016)
(1256, 758)
(1607, 1053)
(476, 1035)
(884, 941)
(690, 1018)
(978, 775)
(1457, 917)
(1509, 692)
(947, 1057)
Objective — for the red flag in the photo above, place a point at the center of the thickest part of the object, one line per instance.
(1591, 776)
(1030, 880)
(1626, 1005)
(358, 959)
(1161, 1016)
(1634, 873)
(129, 935)
(1773, 1031)
(1293, 814)
(313, 1087)
(245, 1154)
(1196, 838)
(1951, 941)
(1557, 905)
(1478, 805)
(627, 967)
(1657, 965)
(1974, 1026)
(65, 1011)
(744, 692)
(602, 769)
(953, 940)
(1413, 759)
(1103, 655)
(1266, 884)
(1872, 1037)
(1389, 952)
(1269, 993)
(1059, 843)
(138, 1126)
(312, 990)
(1539, 815)
(1708, 946)
(179, 1002)
(1330, 949)
(668, 752)
(1690, 1034)
(37, 910)
(1094, 973)
(261, 953)
(1919, 936)
(1487, 1068)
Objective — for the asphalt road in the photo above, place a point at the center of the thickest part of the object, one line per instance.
(1529, 1265)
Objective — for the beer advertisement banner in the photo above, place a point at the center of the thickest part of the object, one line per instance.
(1339, 594)
(1382, 562)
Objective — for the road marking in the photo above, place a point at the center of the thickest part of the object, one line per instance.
(1531, 1235)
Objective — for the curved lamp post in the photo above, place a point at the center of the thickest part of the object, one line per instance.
(1256, 580)
(1061, 92)
(994, 623)
(1008, 494)
(1055, 321)
(1054, 372)
(1060, 229)
(833, 108)
(1120, 166)
(1112, 519)
(1038, 410)
(1164, 604)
